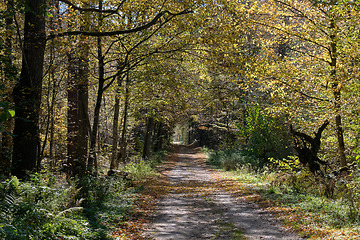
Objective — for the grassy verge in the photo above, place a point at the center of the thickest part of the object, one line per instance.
(295, 199)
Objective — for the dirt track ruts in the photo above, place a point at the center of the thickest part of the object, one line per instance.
(197, 208)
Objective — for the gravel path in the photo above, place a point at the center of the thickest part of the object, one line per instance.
(197, 209)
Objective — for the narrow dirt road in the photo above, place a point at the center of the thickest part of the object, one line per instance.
(195, 207)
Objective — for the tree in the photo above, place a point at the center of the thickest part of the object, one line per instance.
(311, 72)
(27, 92)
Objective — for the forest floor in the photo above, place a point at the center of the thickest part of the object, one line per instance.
(192, 201)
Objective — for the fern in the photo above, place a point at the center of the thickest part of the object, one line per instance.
(69, 210)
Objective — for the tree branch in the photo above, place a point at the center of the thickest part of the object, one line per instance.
(302, 15)
(309, 54)
(302, 93)
(119, 32)
(298, 35)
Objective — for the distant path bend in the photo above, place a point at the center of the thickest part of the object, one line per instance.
(197, 208)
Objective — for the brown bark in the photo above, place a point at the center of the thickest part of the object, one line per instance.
(77, 139)
(78, 119)
(27, 92)
(114, 152)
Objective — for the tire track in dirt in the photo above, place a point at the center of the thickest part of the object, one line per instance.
(195, 207)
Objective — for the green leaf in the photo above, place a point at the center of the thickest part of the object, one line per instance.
(12, 113)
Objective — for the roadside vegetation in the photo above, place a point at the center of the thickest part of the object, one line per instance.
(296, 197)
(52, 207)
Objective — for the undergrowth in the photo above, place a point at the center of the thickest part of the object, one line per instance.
(46, 208)
(52, 207)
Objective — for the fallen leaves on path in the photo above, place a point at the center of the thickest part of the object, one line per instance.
(156, 187)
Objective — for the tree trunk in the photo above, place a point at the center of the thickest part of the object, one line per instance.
(336, 87)
(78, 119)
(92, 161)
(147, 140)
(159, 137)
(56, 14)
(27, 92)
(123, 143)
(113, 159)
(77, 139)
(72, 119)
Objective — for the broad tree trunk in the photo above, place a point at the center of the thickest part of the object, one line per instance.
(27, 92)
(78, 106)
(77, 139)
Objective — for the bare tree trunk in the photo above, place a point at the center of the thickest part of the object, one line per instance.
(27, 92)
(336, 87)
(147, 140)
(123, 143)
(92, 160)
(113, 159)
(114, 163)
(78, 121)
(161, 136)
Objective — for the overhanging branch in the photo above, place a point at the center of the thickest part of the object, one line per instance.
(119, 32)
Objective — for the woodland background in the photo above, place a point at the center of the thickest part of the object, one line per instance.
(91, 86)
